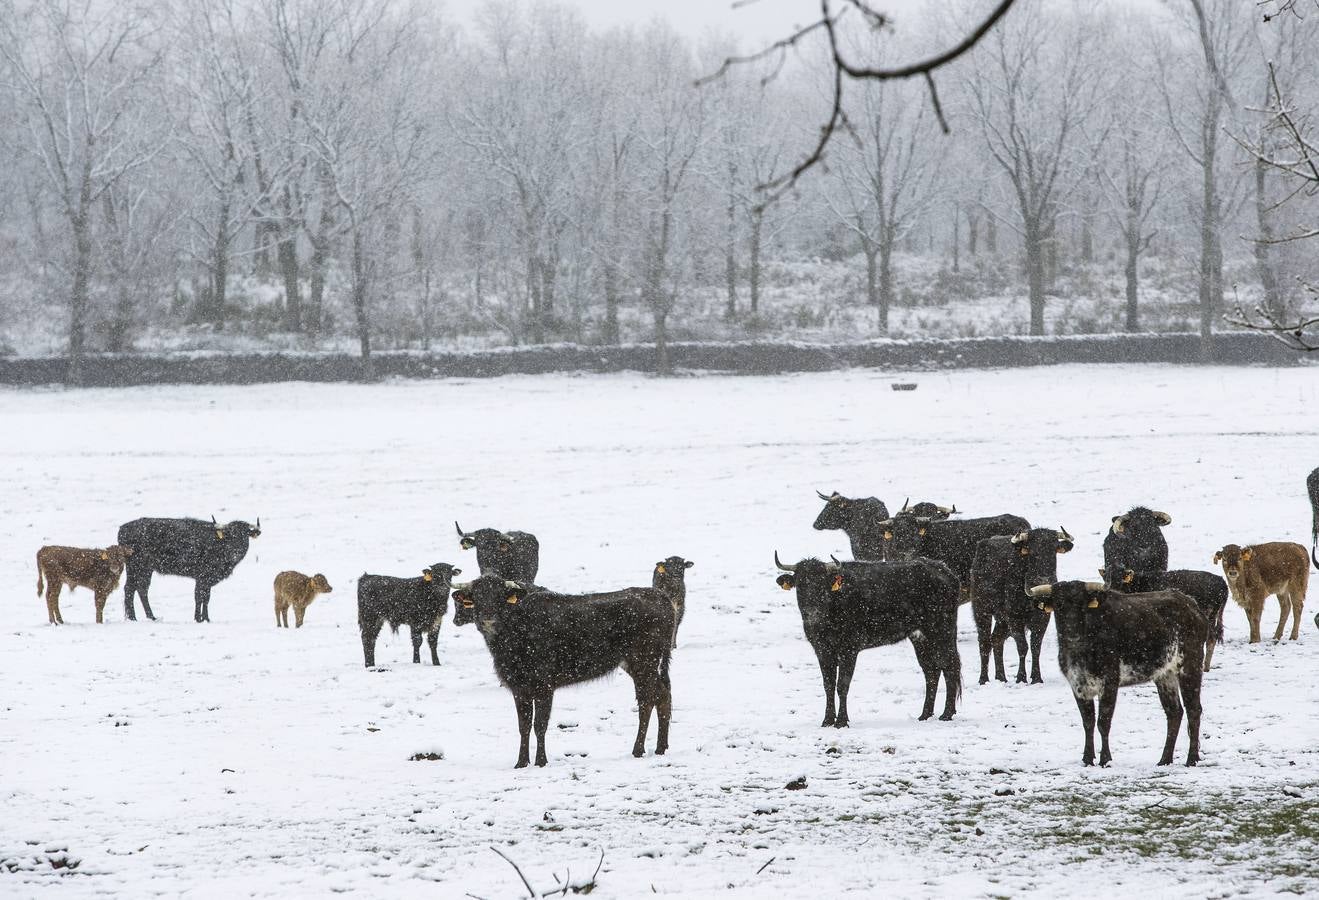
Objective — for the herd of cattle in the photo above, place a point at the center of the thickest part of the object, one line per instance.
(911, 573)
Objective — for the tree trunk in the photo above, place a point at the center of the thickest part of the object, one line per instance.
(360, 305)
(261, 249)
(1211, 275)
(421, 267)
(1133, 257)
(757, 229)
(611, 300)
(220, 265)
(957, 238)
(885, 280)
(730, 260)
(991, 236)
(1268, 276)
(82, 264)
(972, 232)
(1087, 238)
(286, 252)
(871, 252)
(1035, 262)
(662, 364)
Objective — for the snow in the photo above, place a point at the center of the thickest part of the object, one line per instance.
(162, 758)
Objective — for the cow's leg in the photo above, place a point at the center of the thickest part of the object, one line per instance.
(101, 597)
(1107, 703)
(663, 710)
(1298, 606)
(130, 588)
(929, 663)
(53, 602)
(524, 707)
(1036, 644)
(416, 633)
(951, 663)
(279, 610)
(1190, 685)
(846, 666)
(200, 595)
(1284, 607)
(1253, 615)
(298, 612)
(1087, 708)
(999, 638)
(433, 641)
(370, 629)
(1019, 635)
(1172, 710)
(984, 620)
(829, 673)
(544, 703)
(644, 682)
(143, 586)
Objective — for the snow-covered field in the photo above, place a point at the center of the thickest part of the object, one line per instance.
(234, 759)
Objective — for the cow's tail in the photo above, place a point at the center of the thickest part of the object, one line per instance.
(41, 575)
(1314, 545)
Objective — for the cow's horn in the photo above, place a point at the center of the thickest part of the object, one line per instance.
(511, 584)
(1095, 586)
(836, 560)
(947, 510)
(1163, 517)
(461, 533)
(1118, 523)
(1021, 538)
(781, 565)
(905, 504)
(824, 496)
(1062, 533)
(886, 523)
(215, 523)
(1042, 590)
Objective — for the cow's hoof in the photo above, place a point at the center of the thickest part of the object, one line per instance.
(946, 717)
(841, 723)
(1021, 679)
(984, 679)
(1087, 760)
(1035, 679)
(660, 751)
(1192, 760)
(828, 722)
(1002, 678)
(636, 752)
(923, 716)
(541, 762)
(521, 764)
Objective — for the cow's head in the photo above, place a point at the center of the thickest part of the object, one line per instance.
(837, 512)
(1232, 557)
(485, 540)
(236, 530)
(320, 585)
(1119, 578)
(816, 582)
(439, 576)
(1039, 549)
(116, 555)
(672, 569)
(904, 536)
(486, 601)
(928, 510)
(1140, 521)
(1070, 600)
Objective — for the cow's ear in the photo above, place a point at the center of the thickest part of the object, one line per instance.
(427, 575)
(888, 535)
(1065, 546)
(515, 594)
(659, 568)
(1218, 556)
(836, 584)
(1128, 576)
(688, 564)
(464, 598)
(105, 554)
(1246, 555)
(786, 581)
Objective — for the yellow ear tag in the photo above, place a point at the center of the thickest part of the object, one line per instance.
(921, 532)
(220, 535)
(1024, 552)
(1246, 555)
(660, 569)
(468, 604)
(104, 555)
(1128, 578)
(1093, 604)
(787, 585)
(426, 576)
(1046, 607)
(888, 535)
(838, 583)
(512, 598)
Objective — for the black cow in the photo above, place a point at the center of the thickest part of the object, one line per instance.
(206, 552)
(1208, 589)
(1312, 486)
(513, 555)
(849, 607)
(540, 641)
(862, 520)
(1135, 541)
(1108, 640)
(419, 603)
(1003, 570)
(670, 577)
(951, 541)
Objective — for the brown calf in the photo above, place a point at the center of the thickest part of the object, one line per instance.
(296, 590)
(96, 570)
(1254, 572)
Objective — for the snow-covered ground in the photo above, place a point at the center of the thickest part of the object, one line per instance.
(236, 759)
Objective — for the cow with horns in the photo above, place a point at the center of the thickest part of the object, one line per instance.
(514, 555)
(206, 552)
(1003, 571)
(1108, 640)
(1135, 541)
(849, 607)
(951, 541)
(862, 520)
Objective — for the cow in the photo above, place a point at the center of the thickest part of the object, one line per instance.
(97, 570)
(1312, 486)
(849, 607)
(206, 552)
(1209, 591)
(419, 603)
(951, 541)
(1108, 640)
(1254, 572)
(296, 590)
(1135, 541)
(540, 641)
(670, 578)
(1003, 570)
(862, 520)
(511, 555)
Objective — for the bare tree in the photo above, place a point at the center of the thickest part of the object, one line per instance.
(82, 74)
(1039, 86)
